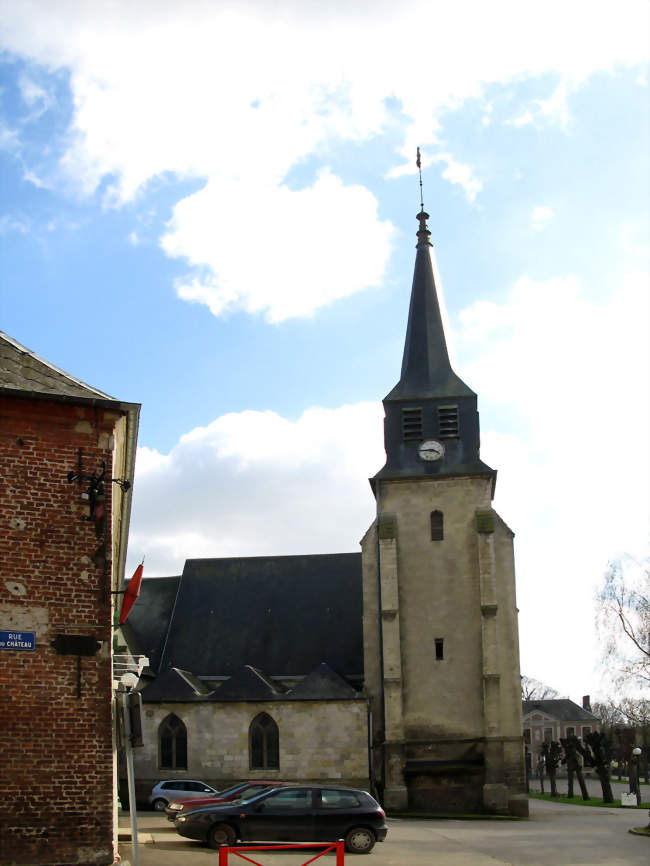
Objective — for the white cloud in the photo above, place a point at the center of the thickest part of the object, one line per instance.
(9, 223)
(36, 97)
(544, 112)
(541, 216)
(571, 376)
(524, 119)
(634, 241)
(227, 92)
(294, 234)
(34, 179)
(566, 378)
(255, 483)
(457, 172)
(9, 138)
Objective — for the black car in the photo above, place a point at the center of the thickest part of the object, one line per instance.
(297, 813)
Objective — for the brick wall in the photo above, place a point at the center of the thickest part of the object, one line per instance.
(55, 717)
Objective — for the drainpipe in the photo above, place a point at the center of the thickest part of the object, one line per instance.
(380, 632)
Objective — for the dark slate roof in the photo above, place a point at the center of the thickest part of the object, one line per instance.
(146, 627)
(281, 614)
(246, 684)
(23, 371)
(562, 709)
(170, 686)
(199, 687)
(322, 684)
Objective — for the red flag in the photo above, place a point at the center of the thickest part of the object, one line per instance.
(132, 593)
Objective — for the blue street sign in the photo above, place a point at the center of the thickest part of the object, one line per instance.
(17, 640)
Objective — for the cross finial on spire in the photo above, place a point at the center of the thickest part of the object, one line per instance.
(418, 162)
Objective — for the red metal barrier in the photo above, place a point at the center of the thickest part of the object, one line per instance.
(327, 847)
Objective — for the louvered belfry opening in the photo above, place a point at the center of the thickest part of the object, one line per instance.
(448, 422)
(412, 424)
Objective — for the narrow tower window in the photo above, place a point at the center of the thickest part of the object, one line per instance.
(437, 533)
(264, 743)
(411, 424)
(172, 742)
(448, 422)
(440, 651)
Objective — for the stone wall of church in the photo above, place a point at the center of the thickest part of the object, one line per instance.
(510, 717)
(371, 643)
(438, 599)
(449, 642)
(320, 741)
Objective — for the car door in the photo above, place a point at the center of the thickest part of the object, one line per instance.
(197, 789)
(336, 811)
(282, 816)
(174, 790)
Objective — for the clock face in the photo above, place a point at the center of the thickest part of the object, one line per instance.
(431, 449)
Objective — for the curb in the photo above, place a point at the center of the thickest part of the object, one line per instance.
(143, 838)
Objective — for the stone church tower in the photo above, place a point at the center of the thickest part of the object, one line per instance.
(441, 644)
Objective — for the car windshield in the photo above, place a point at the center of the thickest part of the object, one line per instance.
(256, 796)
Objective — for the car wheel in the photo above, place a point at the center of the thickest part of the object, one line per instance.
(221, 834)
(360, 840)
(159, 805)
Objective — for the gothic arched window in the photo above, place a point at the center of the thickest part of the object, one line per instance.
(437, 533)
(264, 743)
(172, 742)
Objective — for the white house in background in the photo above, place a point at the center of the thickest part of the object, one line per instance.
(549, 720)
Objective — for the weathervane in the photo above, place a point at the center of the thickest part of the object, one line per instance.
(418, 162)
(423, 233)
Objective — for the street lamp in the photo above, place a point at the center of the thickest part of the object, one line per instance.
(130, 703)
(636, 787)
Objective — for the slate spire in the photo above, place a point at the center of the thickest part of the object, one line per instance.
(426, 370)
(430, 403)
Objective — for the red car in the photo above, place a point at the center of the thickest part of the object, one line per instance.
(242, 790)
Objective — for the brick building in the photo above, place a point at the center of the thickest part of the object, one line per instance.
(63, 541)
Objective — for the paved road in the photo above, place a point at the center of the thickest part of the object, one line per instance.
(555, 835)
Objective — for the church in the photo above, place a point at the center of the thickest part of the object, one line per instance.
(394, 669)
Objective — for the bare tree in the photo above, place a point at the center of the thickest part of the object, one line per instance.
(608, 712)
(635, 711)
(623, 621)
(535, 690)
(599, 746)
(626, 722)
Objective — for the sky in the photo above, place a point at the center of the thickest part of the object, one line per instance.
(209, 208)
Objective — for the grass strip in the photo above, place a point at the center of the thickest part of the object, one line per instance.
(578, 801)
